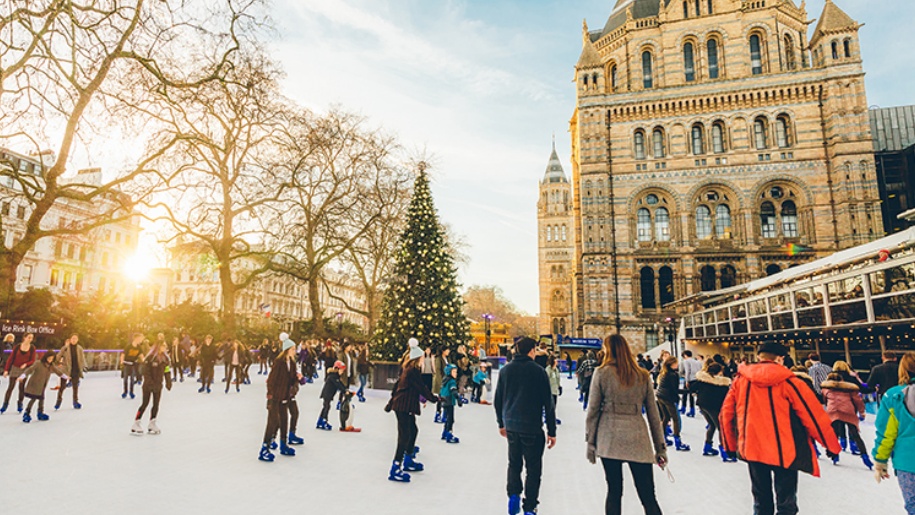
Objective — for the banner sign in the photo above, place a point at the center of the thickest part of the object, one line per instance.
(589, 343)
(21, 327)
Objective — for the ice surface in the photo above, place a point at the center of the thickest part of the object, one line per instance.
(205, 462)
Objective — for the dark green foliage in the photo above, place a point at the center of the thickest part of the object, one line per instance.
(422, 300)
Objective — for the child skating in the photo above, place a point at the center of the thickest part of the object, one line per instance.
(38, 375)
(155, 373)
(449, 397)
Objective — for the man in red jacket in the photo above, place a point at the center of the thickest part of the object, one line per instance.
(771, 418)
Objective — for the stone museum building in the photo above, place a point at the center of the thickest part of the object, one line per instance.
(713, 142)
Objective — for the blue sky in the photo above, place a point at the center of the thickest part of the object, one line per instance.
(482, 85)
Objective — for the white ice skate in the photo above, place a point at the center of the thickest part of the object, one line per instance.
(137, 429)
(153, 428)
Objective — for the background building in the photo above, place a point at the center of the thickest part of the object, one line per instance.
(893, 130)
(87, 262)
(713, 143)
(555, 249)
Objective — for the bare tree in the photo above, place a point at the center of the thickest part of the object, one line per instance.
(370, 258)
(221, 188)
(66, 67)
(340, 186)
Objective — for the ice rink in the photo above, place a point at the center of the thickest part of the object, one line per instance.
(205, 462)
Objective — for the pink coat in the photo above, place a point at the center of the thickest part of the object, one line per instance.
(843, 401)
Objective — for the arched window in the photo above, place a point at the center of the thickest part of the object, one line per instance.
(594, 80)
(662, 224)
(657, 139)
(767, 220)
(689, 62)
(711, 10)
(718, 138)
(756, 63)
(549, 233)
(666, 285)
(698, 139)
(584, 81)
(723, 221)
(647, 287)
(639, 141)
(556, 326)
(647, 79)
(712, 51)
(789, 219)
(698, 10)
(760, 134)
(643, 224)
(613, 77)
(835, 50)
(847, 47)
(782, 132)
(563, 233)
(790, 61)
(703, 222)
(685, 9)
(707, 278)
(773, 269)
(728, 276)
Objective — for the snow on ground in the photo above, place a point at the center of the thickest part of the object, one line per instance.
(205, 462)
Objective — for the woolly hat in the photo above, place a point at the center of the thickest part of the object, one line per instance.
(772, 347)
(287, 343)
(415, 352)
(340, 365)
(284, 337)
(413, 342)
(448, 368)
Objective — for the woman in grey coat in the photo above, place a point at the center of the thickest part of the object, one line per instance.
(615, 428)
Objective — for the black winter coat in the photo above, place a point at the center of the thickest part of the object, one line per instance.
(523, 398)
(884, 376)
(154, 373)
(669, 387)
(405, 397)
(332, 385)
(710, 390)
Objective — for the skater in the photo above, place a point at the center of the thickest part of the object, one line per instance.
(772, 418)
(234, 357)
(480, 378)
(569, 363)
(178, 355)
(896, 432)
(130, 364)
(38, 375)
(617, 434)
(428, 372)
(263, 357)
(449, 398)
(155, 373)
(208, 356)
(282, 384)
(522, 397)
(438, 377)
(668, 395)
(885, 375)
(363, 367)
(21, 357)
(845, 408)
(552, 371)
(688, 370)
(585, 371)
(818, 371)
(73, 362)
(711, 387)
(404, 403)
(333, 385)
(193, 357)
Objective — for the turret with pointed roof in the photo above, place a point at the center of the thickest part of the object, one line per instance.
(554, 171)
(833, 20)
(589, 58)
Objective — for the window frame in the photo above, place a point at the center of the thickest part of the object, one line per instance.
(689, 61)
(647, 69)
(713, 57)
(757, 64)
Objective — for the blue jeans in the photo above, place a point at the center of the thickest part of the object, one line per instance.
(907, 485)
(363, 379)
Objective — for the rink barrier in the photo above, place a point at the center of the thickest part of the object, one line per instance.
(97, 360)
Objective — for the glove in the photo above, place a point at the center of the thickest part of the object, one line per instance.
(861, 418)
(661, 459)
(592, 454)
(881, 472)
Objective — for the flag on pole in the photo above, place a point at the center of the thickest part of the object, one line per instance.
(265, 308)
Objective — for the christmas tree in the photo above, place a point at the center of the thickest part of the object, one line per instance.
(422, 300)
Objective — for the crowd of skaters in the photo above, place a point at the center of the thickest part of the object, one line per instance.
(749, 405)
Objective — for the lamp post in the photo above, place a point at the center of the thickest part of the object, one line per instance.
(487, 325)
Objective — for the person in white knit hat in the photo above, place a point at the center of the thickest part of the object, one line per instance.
(405, 404)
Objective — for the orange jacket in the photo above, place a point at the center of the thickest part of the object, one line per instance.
(770, 416)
